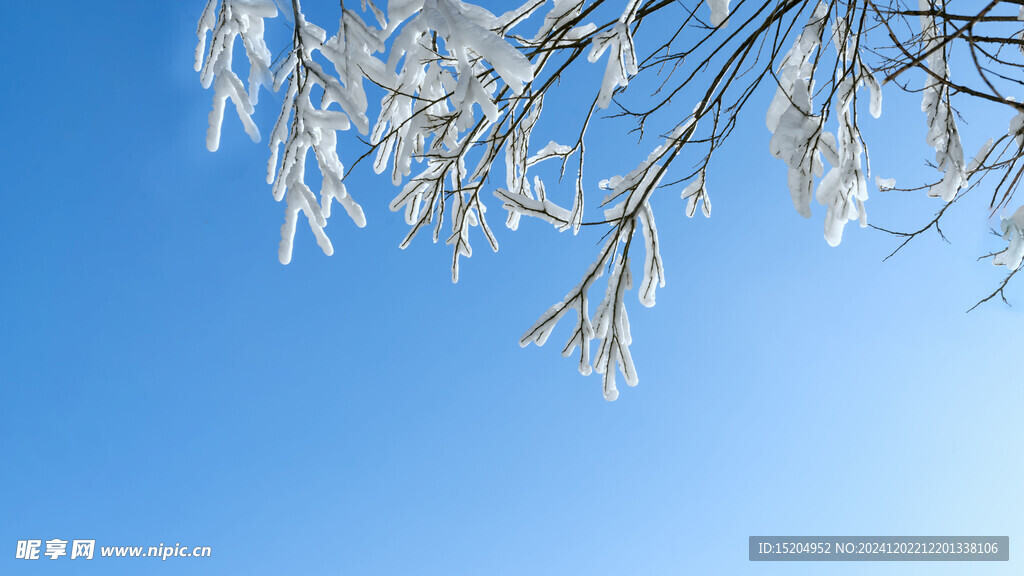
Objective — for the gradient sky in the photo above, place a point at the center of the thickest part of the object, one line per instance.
(163, 379)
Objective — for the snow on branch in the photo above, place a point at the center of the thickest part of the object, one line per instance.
(303, 126)
(449, 97)
(236, 18)
(618, 42)
(943, 134)
(798, 135)
(610, 323)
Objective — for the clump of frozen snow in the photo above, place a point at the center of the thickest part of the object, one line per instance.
(719, 12)
(1013, 230)
(885, 184)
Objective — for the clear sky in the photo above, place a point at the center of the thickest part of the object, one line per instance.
(164, 380)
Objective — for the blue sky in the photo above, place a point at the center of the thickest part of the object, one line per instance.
(163, 379)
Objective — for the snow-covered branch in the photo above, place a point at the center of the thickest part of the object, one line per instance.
(462, 92)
